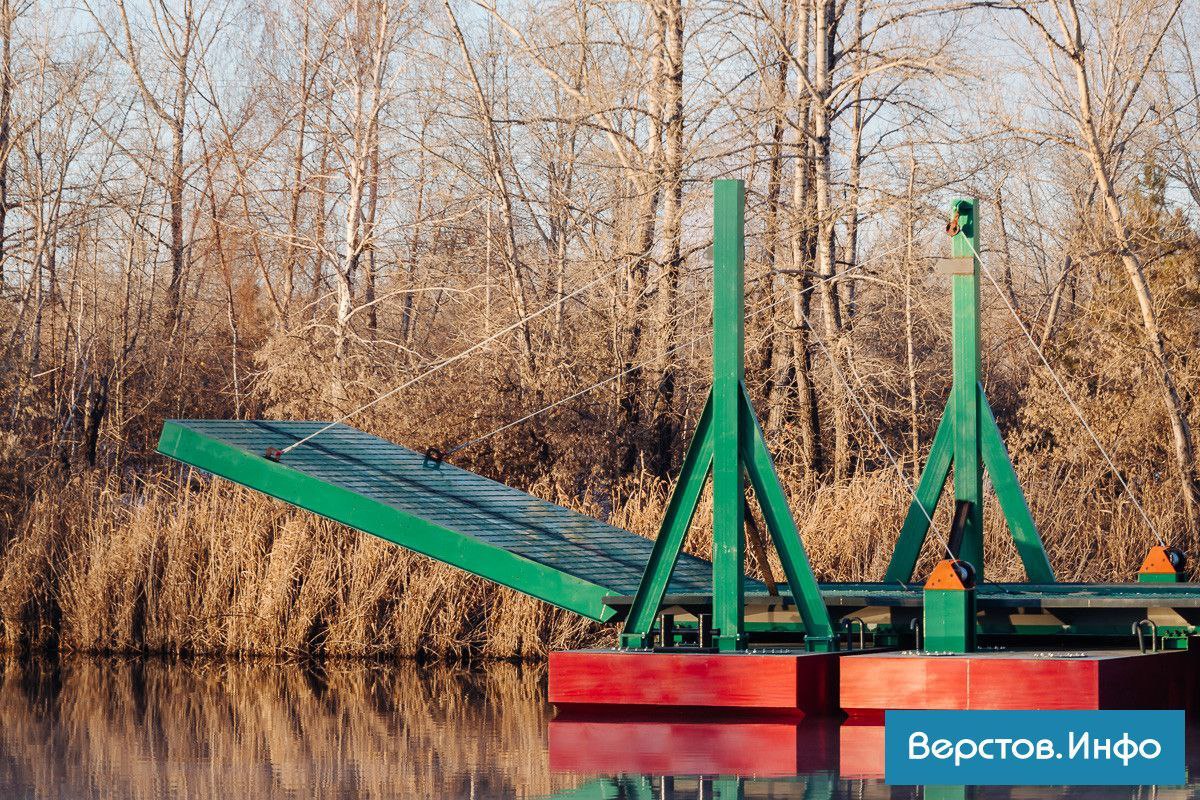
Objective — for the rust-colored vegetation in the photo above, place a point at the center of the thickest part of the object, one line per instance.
(290, 217)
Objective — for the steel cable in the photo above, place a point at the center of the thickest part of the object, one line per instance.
(1066, 394)
(670, 351)
(452, 359)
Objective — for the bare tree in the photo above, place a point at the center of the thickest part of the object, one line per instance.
(1075, 66)
(179, 39)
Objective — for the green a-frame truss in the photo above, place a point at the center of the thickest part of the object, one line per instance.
(535, 547)
(609, 574)
(728, 444)
(968, 438)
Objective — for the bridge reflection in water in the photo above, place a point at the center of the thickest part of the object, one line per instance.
(691, 757)
(661, 757)
(84, 728)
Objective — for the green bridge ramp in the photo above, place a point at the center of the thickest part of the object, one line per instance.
(442, 511)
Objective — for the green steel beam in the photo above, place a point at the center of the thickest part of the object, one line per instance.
(599, 789)
(924, 503)
(802, 584)
(671, 532)
(727, 787)
(385, 521)
(944, 793)
(949, 620)
(1012, 499)
(820, 786)
(992, 625)
(968, 438)
(729, 200)
(965, 396)
(729, 439)
(1078, 596)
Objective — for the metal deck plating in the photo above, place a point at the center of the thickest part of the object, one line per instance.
(573, 560)
(561, 556)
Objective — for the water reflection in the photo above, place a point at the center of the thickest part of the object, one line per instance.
(87, 728)
(822, 787)
(828, 787)
(694, 746)
(685, 759)
(83, 728)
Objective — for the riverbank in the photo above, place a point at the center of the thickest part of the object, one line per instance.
(213, 569)
(188, 565)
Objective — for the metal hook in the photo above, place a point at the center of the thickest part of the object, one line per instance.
(862, 630)
(952, 226)
(915, 627)
(1138, 627)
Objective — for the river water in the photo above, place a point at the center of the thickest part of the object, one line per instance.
(84, 728)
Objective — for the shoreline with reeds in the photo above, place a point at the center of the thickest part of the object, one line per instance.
(208, 569)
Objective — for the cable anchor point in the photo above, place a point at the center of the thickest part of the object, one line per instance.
(952, 226)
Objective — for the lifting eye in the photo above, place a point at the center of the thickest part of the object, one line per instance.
(957, 210)
(433, 457)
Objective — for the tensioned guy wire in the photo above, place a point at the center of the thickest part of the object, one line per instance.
(452, 359)
(670, 351)
(1065, 393)
(945, 540)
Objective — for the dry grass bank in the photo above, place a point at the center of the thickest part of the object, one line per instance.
(216, 569)
(220, 570)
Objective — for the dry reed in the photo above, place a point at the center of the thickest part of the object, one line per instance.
(210, 568)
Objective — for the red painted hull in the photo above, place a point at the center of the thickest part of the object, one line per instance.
(860, 749)
(689, 747)
(791, 685)
(873, 683)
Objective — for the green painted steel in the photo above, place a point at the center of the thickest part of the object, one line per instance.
(671, 532)
(992, 595)
(631, 787)
(1158, 577)
(444, 512)
(730, 439)
(1071, 609)
(1027, 595)
(1012, 499)
(729, 198)
(532, 546)
(820, 786)
(801, 582)
(965, 396)
(968, 439)
(929, 490)
(816, 786)
(944, 793)
(949, 621)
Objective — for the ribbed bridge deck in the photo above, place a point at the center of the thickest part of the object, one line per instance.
(538, 548)
(447, 513)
